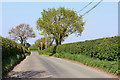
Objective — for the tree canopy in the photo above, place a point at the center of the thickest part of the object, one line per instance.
(41, 43)
(21, 33)
(50, 37)
(60, 23)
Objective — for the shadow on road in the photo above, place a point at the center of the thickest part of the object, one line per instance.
(29, 74)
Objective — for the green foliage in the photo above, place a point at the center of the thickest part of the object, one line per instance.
(104, 49)
(33, 49)
(42, 43)
(12, 53)
(21, 33)
(27, 45)
(49, 38)
(109, 66)
(101, 53)
(60, 23)
(48, 50)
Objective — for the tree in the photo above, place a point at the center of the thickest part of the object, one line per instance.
(21, 33)
(49, 37)
(60, 23)
(41, 43)
(38, 43)
(27, 45)
(33, 46)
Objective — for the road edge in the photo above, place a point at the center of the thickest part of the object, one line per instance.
(94, 68)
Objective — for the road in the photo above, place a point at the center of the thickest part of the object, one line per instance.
(39, 66)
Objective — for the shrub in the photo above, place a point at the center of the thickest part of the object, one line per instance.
(102, 53)
(12, 53)
(33, 49)
(105, 48)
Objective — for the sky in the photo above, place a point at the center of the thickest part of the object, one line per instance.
(101, 22)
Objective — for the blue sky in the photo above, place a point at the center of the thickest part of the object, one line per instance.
(100, 22)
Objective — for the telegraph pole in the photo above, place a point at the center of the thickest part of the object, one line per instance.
(46, 40)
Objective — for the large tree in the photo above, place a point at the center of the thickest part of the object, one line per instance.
(21, 33)
(60, 23)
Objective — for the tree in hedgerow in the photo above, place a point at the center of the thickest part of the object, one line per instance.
(21, 33)
(27, 45)
(49, 37)
(60, 23)
(41, 43)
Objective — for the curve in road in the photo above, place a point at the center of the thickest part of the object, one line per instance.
(40, 66)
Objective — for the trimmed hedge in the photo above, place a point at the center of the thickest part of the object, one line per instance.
(12, 53)
(33, 49)
(102, 53)
(104, 48)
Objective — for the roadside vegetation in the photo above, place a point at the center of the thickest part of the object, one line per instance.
(12, 54)
(101, 53)
(57, 24)
(21, 33)
(33, 49)
(41, 44)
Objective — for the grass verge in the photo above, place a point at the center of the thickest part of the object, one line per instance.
(107, 66)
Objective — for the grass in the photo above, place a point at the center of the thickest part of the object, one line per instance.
(33, 49)
(101, 53)
(107, 66)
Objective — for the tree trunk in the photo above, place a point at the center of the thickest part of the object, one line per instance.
(41, 46)
(57, 43)
(51, 42)
(60, 40)
(22, 42)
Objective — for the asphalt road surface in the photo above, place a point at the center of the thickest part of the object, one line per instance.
(40, 66)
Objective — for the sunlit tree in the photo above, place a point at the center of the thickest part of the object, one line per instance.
(60, 23)
(21, 33)
(41, 43)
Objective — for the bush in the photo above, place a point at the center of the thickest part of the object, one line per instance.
(33, 49)
(104, 49)
(101, 53)
(12, 53)
(48, 50)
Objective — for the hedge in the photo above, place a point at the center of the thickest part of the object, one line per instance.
(12, 53)
(104, 48)
(47, 50)
(33, 49)
(103, 53)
